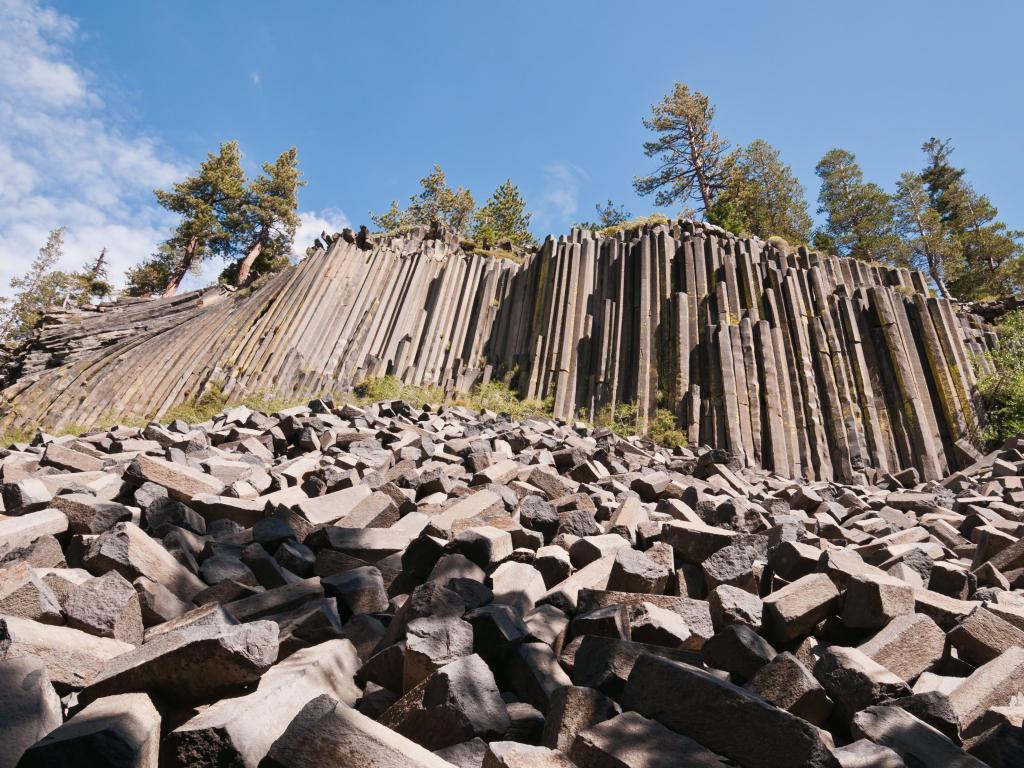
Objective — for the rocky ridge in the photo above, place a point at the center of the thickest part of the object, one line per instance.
(806, 364)
(394, 586)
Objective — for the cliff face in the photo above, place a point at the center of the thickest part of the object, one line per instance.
(808, 365)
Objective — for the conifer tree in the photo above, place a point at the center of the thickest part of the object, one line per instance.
(390, 220)
(987, 254)
(35, 291)
(504, 217)
(859, 214)
(209, 203)
(691, 154)
(152, 275)
(924, 234)
(268, 218)
(762, 196)
(610, 214)
(437, 207)
(93, 281)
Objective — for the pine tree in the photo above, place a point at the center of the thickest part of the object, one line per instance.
(390, 220)
(692, 155)
(152, 275)
(209, 203)
(925, 237)
(92, 281)
(608, 215)
(988, 259)
(762, 196)
(40, 288)
(504, 218)
(269, 218)
(859, 214)
(437, 207)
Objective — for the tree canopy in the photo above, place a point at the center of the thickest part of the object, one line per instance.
(610, 214)
(692, 156)
(44, 286)
(503, 217)
(859, 214)
(209, 203)
(268, 219)
(762, 196)
(924, 235)
(249, 223)
(437, 207)
(984, 255)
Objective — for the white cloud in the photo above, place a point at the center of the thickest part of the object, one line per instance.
(312, 223)
(30, 55)
(64, 159)
(560, 199)
(256, 79)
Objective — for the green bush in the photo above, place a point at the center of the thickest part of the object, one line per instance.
(493, 396)
(1003, 390)
(623, 420)
(625, 226)
(663, 429)
(501, 398)
(213, 402)
(373, 390)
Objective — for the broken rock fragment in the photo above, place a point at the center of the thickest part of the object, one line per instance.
(192, 665)
(107, 606)
(328, 734)
(240, 731)
(121, 731)
(696, 704)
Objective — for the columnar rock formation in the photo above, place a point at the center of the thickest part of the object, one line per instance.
(809, 365)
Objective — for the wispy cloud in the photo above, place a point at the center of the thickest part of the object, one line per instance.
(256, 79)
(560, 198)
(64, 159)
(312, 223)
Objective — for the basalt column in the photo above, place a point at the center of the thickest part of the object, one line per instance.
(806, 364)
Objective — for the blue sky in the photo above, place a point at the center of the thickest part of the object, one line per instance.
(102, 101)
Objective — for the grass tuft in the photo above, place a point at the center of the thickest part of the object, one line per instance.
(643, 221)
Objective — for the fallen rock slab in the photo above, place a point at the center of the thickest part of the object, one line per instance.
(914, 741)
(29, 707)
(712, 712)
(121, 731)
(240, 731)
(191, 665)
(328, 734)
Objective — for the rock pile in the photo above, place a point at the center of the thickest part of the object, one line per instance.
(390, 586)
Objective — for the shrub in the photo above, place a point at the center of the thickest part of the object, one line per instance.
(1003, 390)
(663, 429)
(623, 421)
(501, 398)
(643, 221)
(492, 396)
(375, 389)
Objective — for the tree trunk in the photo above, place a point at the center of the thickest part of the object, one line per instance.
(698, 170)
(186, 264)
(250, 258)
(932, 256)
